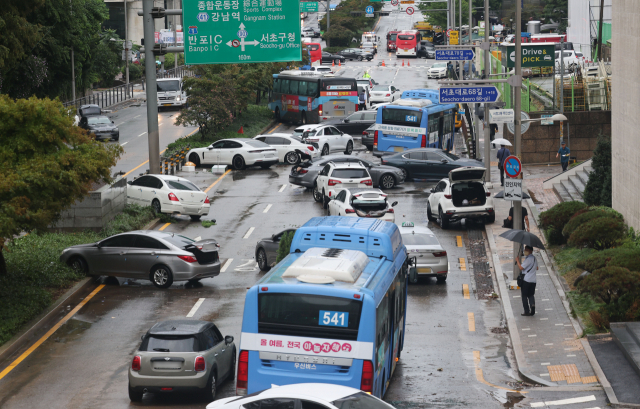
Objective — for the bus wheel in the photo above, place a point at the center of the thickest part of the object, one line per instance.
(278, 115)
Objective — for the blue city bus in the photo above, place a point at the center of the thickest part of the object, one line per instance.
(332, 311)
(310, 97)
(416, 120)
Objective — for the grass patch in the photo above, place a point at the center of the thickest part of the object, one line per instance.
(567, 260)
(36, 277)
(253, 120)
(208, 223)
(581, 305)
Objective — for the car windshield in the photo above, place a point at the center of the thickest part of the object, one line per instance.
(182, 185)
(349, 173)
(439, 65)
(296, 138)
(94, 120)
(381, 88)
(392, 37)
(298, 131)
(178, 240)
(413, 239)
(172, 343)
(360, 400)
(164, 86)
(451, 155)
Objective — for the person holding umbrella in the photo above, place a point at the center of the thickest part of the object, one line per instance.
(527, 285)
(503, 154)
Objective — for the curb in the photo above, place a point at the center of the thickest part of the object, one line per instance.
(272, 123)
(35, 324)
(151, 225)
(611, 395)
(508, 312)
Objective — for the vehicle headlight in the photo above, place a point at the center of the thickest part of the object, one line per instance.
(178, 99)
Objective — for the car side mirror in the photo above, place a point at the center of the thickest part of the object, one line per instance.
(273, 237)
(228, 339)
(209, 147)
(346, 120)
(394, 204)
(444, 161)
(141, 337)
(112, 122)
(99, 245)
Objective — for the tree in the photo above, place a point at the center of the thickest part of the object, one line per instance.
(107, 58)
(558, 11)
(597, 192)
(19, 35)
(47, 164)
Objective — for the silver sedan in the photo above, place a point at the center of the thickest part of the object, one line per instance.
(147, 254)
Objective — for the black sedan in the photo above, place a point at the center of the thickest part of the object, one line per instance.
(367, 137)
(329, 58)
(426, 50)
(100, 126)
(427, 163)
(267, 250)
(356, 54)
(357, 122)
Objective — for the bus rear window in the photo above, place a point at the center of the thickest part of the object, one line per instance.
(309, 315)
(406, 37)
(339, 85)
(406, 117)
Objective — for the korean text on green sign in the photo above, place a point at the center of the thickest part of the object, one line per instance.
(241, 31)
(532, 55)
(309, 6)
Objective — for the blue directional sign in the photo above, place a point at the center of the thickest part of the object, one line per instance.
(451, 95)
(455, 55)
(369, 10)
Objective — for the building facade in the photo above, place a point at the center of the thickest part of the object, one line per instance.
(582, 27)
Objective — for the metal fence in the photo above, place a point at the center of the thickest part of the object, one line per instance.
(105, 98)
(179, 72)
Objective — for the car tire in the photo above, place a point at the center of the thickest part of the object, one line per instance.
(161, 276)
(337, 61)
(157, 208)
(134, 395)
(325, 201)
(359, 58)
(193, 281)
(491, 218)
(405, 174)
(444, 220)
(387, 181)
(195, 159)
(261, 258)
(277, 113)
(317, 196)
(238, 162)
(79, 265)
(195, 218)
(116, 139)
(325, 150)
(349, 148)
(441, 279)
(429, 214)
(210, 390)
(291, 158)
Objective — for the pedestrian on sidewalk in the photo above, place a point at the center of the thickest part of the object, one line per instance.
(493, 129)
(525, 218)
(528, 288)
(564, 156)
(503, 153)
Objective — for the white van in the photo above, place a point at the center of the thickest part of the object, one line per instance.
(171, 92)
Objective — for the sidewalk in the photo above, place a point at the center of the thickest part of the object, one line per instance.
(546, 345)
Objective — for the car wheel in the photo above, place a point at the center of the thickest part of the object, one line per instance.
(325, 150)
(278, 115)
(262, 260)
(349, 148)
(238, 162)
(441, 279)
(359, 58)
(444, 220)
(292, 158)
(161, 276)
(303, 118)
(491, 218)
(325, 200)
(429, 214)
(405, 174)
(195, 159)
(195, 218)
(336, 61)
(157, 208)
(210, 389)
(79, 265)
(387, 181)
(134, 395)
(317, 196)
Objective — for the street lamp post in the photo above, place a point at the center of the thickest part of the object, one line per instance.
(126, 46)
(517, 205)
(487, 72)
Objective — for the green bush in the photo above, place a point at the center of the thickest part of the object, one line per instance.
(557, 217)
(285, 245)
(135, 72)
(609, 284)
(133, 217)
(616, 257)
(554, 236)
(579, 220)
(599, 234)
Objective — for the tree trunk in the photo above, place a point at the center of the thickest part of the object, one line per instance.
(3, 263)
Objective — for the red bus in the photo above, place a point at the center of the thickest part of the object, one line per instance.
(315, 51)
(391, 40)
(407, 43)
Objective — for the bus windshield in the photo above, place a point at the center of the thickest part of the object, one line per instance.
(407, 117)
(306, 315)
(406, 37)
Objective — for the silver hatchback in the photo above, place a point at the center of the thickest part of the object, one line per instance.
(147, 254)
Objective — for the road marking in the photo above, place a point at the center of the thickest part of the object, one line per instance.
(142, 133)
(459, 240)
(548, 309)
(465, 291)
(226, 265)
(570, 401)
(122, 144)
(549, 344)
(164, 227)
(271, 131)
(526, 329)
(39, 342)
(282, 188)
(516, 296)
(545, 363)
(472, 321)
(195, 307)
(570, 355)
(246, 236)
(217, 180)
(267, 208)
(140, 165)
(531, 336)
(137, 116)
(480, 376)
(463, 265)
(120, 123)
(559, 325)
(543, 319)
(532, 352)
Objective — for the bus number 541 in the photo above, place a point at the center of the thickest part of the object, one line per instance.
(334, 318)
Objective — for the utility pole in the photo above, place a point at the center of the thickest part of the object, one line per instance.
(461, 75)
(600, 30)
(126, 46)
(328, 18)
(487, 72)
(470, 28)
(561, 87)
(517, 205)
(152, 92)
(73, 66)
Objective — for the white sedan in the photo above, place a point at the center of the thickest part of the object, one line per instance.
(169, 194)
(291, 149)
(385, 93)
(307, 395)
(329, 139)
(238, 153)
(370, 203)
(423, 245)
(437, 70)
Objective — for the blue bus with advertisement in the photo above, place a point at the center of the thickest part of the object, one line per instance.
(332, 311)
(416, 120)
(311, 97)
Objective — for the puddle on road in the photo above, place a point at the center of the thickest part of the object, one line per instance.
(71, 330)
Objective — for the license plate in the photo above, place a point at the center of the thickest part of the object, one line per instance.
(398, 149)
(167, 105)
(424, 270)
(338, 113)
(405, 51)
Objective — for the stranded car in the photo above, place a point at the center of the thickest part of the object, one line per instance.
(362, 203)
(238, 153)
(430, 257)
(337, 176)
(267, 250)
(291, 149)
(100, 126)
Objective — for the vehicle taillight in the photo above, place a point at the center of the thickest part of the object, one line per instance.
(333, 182)
(440, 254)
(135, 364)
(206, 200)
(388, 95)
(173, 197)
(423, 144)
(365, 133)
(311, 148)
(488, 194)
(368, 182)
(188, 259)
(383, 162)
(303, 171)
(366, 383)
(320, 109)
(357, 108)
(447, 196)
(375, 139)
(243, 373)
(200, 364)
(349, 211)
(390, 210)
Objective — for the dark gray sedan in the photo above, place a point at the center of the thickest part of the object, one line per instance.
(101, 126)
(267, 250)
(427, 163)
(306, 173)
(153, 255)
(356, 54)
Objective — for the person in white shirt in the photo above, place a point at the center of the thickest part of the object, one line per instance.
(528, 288)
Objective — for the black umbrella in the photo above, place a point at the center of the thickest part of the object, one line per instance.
(500, 195)
(523, 237)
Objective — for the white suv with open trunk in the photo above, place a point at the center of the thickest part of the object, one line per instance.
(463, 195)
(337, 176)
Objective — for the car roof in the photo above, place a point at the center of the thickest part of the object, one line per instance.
(153, 233)
(309, 127)
(363, 190)
(415, 229)
(279, 134)
(322, 391)
(168, 177)
(347, 165)
(179, 327)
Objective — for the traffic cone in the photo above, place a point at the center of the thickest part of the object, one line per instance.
(408, 63)
(333, 63)
(241, 130)
(339, 63)
(383, 63)
(403, 63)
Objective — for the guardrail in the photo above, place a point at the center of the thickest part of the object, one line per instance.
(105, 98)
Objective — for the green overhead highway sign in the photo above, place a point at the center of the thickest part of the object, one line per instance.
(532, 55)
(309, 6)
(241, 31)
